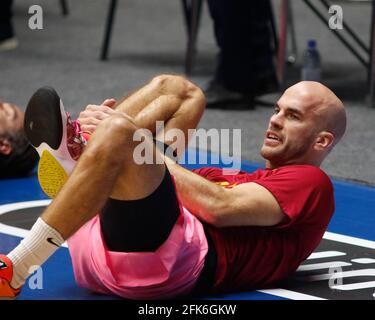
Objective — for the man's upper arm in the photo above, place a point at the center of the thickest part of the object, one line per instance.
(250, 204)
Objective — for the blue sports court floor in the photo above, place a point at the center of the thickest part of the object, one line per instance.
(342, 267)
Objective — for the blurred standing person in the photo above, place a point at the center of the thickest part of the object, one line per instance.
(7, 39)
(245, 66)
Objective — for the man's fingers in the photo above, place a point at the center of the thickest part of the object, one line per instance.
(90, 120)
(106, 105)
(88, 128)
(97, 111)
(91, 117)
(109, 102)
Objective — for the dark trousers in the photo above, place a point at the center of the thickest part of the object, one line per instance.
(6, 28)
(242, 31)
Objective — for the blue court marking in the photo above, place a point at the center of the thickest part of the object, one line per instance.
(355, 210)
(22, 189)
(354, 216)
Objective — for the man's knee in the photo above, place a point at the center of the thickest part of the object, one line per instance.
(166, 80)
(120, 124)
(114, 134)
(181, 87)
(173, 85)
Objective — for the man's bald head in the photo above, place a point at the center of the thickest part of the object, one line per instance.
(328, 108)
(308, 122)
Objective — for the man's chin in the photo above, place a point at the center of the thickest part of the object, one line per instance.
(267, 152)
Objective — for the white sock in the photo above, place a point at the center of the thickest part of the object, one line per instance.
(33, 250)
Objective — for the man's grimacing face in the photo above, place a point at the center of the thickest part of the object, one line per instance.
(292, 130)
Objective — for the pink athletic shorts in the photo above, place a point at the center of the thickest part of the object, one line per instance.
(172, 270)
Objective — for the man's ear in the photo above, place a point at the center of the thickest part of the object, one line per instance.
(324, 140)
(5, 146)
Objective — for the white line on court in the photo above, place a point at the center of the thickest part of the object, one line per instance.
(22, 205)
(325, 254)
(290, 294)
(15, 231)
(350, 240)
(323, 265)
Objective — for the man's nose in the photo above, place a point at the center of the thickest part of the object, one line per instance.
(276, 121)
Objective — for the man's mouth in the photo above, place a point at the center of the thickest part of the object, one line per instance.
(272, 138)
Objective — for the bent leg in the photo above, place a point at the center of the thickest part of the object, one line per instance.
(131, 210)
(86, 191)
(105, 166)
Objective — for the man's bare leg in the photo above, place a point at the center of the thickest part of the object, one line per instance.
(93, 179)
(146, 106)
(104, 169)
(85, 193)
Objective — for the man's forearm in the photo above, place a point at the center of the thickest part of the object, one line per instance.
(201, 197)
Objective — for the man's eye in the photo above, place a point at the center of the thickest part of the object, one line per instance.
(293, 116)
(276, 111)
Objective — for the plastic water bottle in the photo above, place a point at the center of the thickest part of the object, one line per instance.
(311, 69)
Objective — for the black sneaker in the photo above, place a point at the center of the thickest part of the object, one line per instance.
(218, 97)
(46, 125)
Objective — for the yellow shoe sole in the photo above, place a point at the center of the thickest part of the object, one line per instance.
(51, 175)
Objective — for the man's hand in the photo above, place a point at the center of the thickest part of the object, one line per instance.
(90, 118)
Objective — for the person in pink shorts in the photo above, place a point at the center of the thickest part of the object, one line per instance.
(155, 230)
